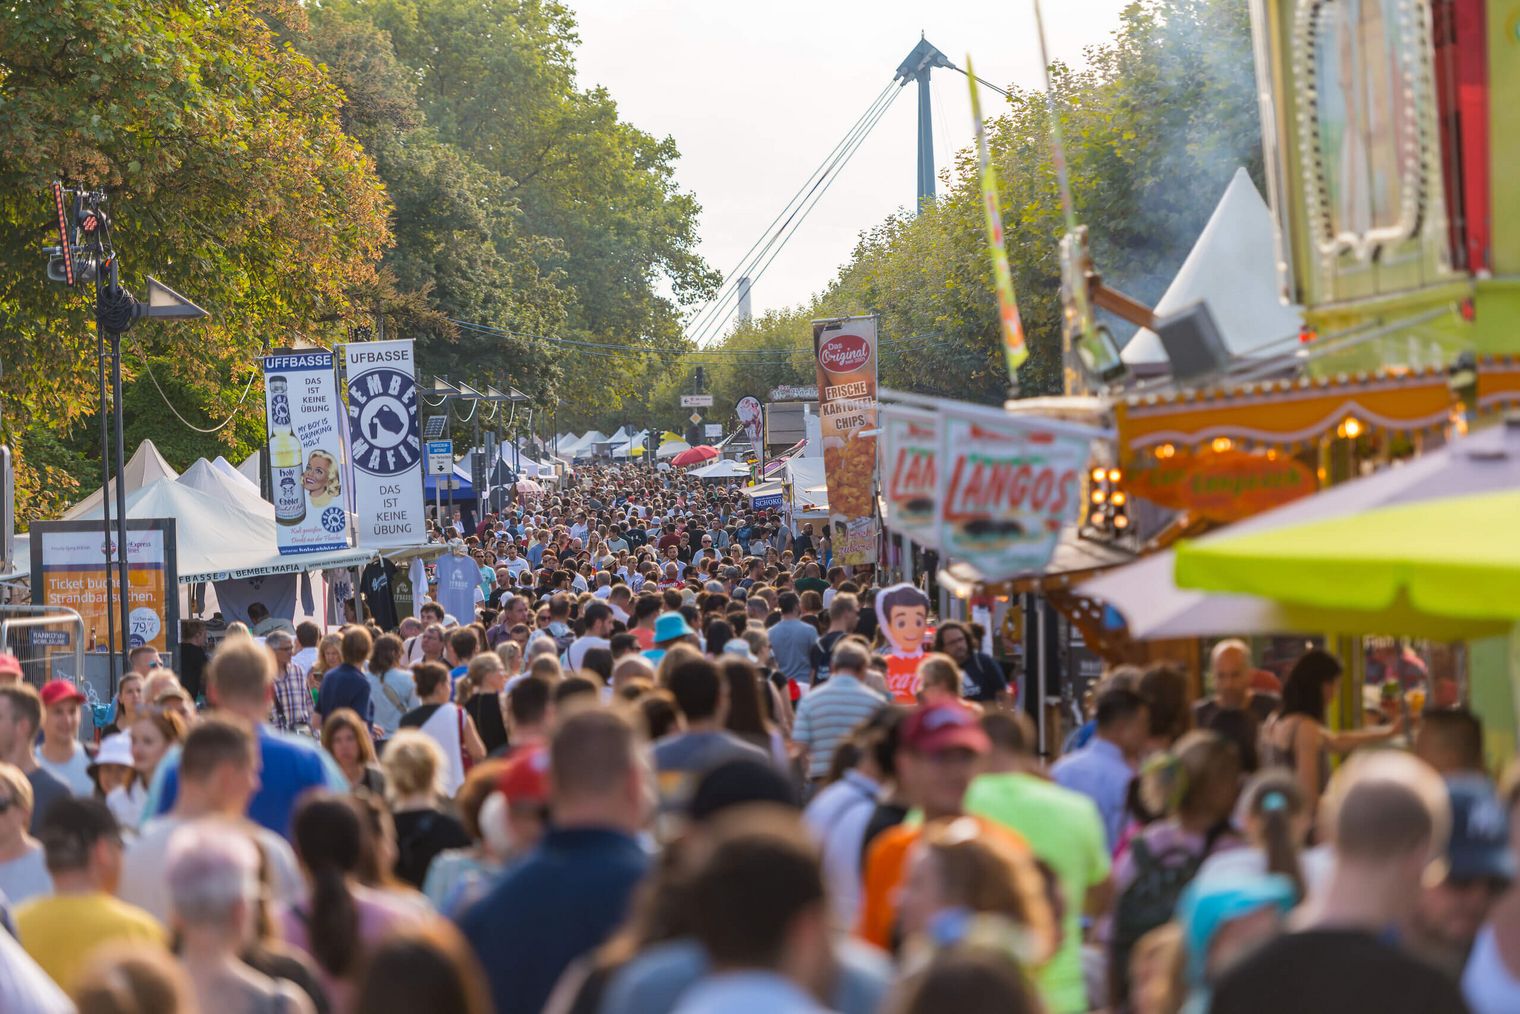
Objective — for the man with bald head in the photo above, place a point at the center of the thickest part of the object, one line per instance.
(1230, 677)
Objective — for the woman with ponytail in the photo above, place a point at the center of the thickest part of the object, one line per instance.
(341, 918)
(1276, 818)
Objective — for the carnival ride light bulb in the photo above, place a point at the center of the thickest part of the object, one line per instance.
(1119, 499)
(1098, 496)
(1165, 451)
(1097, 474)
(1121, 521)
(1351, 428)
(1114, 475)
(1221, 444)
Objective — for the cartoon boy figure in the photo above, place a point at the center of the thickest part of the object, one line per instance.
(904, 614)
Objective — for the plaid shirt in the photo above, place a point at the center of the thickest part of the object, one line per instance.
(292, 701)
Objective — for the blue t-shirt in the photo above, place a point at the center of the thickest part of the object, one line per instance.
(344, 686)
(288, 766)
(562, 900)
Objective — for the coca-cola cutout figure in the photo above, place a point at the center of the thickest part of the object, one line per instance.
(904, 614)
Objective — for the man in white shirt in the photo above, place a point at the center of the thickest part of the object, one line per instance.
(307, 636)
(603, 584)
(580, 529)
(61, 753)
(516, 564)
(598, 620)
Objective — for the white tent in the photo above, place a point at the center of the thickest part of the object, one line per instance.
(805, 476)
(250, 467)
(224, 466)
(722, 470)
(1233, 268)
(145, 466)
(207, 478)
(216, 539)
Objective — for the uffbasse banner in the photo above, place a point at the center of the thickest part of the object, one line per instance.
(909, 445)
(385, 444)
(845, 351)
(306, 461)
(1007, 486)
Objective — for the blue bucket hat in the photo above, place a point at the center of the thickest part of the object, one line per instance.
(669, 626)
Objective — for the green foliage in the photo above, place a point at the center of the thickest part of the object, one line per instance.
(230, 177)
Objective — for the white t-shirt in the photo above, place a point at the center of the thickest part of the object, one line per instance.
(305, 658)
(74, 772)
(516, 565)
(575, 655)
(143, 868)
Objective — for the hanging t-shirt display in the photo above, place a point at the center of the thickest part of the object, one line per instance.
(458, 586)
(376, 584)
(401, 593)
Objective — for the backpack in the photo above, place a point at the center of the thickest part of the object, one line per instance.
(1150, 900)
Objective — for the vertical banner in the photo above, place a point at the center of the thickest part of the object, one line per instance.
(306, 450)
(845, 349)
(69, 564)
(909, 478)
(1014, 351)
(385, 444)
(1007, 486)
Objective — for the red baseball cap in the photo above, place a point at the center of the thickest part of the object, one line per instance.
(58, 691)
(526, 778)
(940, 727)
(10, 664)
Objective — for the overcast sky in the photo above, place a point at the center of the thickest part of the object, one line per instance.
(756, 94)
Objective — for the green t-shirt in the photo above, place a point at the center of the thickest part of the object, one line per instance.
(1064, 830)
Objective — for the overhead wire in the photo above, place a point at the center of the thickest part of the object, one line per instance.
(730, 286)
(148, 368)
(780, 241)
(822, 178)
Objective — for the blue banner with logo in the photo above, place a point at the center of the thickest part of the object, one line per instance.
(385, 444)
(306, 452)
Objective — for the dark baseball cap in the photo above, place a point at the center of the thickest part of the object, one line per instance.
(1479, 843)
(736, 782)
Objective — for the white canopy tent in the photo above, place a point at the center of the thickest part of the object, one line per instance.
(224, 466)
(722, 470)
(250, 467)
(217, 539)
(1232, 268)
(671, 448)
(207, 478)
(145, 466)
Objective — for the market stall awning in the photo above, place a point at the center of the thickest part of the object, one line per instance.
(1426, 566)
(722, 470)
(1154, 606)
(1286, 413)
(1498, 383)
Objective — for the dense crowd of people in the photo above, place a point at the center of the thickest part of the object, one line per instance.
(635, 751)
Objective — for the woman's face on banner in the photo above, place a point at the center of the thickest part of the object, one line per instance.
(314, 479)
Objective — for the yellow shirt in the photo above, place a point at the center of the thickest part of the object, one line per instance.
(60, 932)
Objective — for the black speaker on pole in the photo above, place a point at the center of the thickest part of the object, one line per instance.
(1192, 343)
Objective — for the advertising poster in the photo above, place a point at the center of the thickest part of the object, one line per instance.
(1007, 486)
(752, 418)
(385, 445)
(306, 451)
(910, 481)
(845, 350)
(69, 561)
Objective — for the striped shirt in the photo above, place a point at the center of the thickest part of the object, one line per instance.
(827, 715)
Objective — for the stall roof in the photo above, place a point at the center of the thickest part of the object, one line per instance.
(145, 466)
(217, 540)
(1232, 268)
(208, 479)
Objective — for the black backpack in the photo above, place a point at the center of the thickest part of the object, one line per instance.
(1150, 900)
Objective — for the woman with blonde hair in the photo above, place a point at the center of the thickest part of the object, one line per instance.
(510, 653)
(329, 656)
(486, 704)
(413, 765)
(347, 741)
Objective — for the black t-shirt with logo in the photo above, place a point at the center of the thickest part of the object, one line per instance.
(375, 584)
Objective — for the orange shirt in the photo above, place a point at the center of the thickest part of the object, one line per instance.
(902, 677)
(887, 866)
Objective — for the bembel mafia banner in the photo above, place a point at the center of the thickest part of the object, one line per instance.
(385, 445)
(306, 450)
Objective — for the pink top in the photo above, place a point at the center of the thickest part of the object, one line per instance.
(379, 914)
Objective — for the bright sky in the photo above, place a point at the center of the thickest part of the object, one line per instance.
(756, 94)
